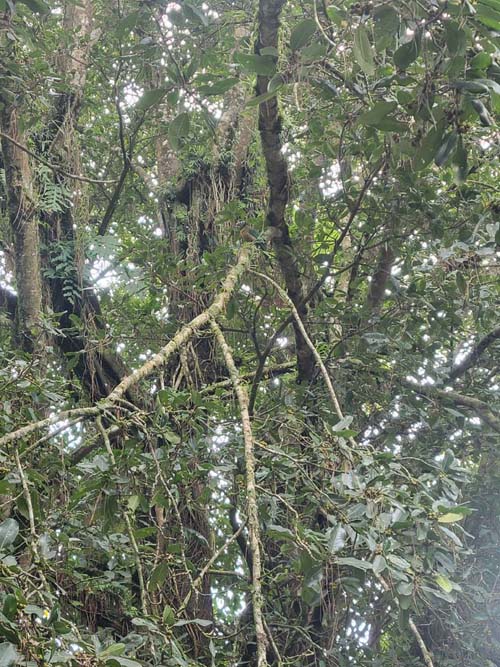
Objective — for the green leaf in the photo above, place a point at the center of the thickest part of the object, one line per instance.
(386, 20)
(133, 502)
(8, 532)
(279, 532)
(255, 101)
(471, 86)
(481, 61)
(362, 50)
(262, 65)
(399, 562)
(10, 607)
(450, 517)
(355, 562)
(302, 33)
(407, 53)
(336, 538)
(482, 112)
(460, 160)
(377, 113)
(118, 660)
(168, 615)
(455, 38)
(36, 6)
(219, 87)
(8, 655)
(379, 564)
(112, 649)
(446, 149)
(194, 14)
(158, 575)
(277, 82)
(490, 84)
(313, 52)
(488, 16)
(378, 117)
(150, 98)
(163, 396)
(178, 130)
(444, 583)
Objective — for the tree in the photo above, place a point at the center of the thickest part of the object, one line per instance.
(249, 385)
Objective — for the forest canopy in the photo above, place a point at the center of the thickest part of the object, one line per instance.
(249, 341)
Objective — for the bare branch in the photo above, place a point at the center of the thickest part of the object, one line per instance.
(252, 508)
(53, 167)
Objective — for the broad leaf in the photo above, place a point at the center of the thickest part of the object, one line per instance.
(363, 52)
(302, 33)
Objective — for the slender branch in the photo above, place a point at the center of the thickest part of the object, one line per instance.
(252, 508)
(269, 372)
(45, 423)
(31, 518)
(478, 406)
(319, 283)
(55, 168)
(310, 344)
(416, 632)
(205, 570)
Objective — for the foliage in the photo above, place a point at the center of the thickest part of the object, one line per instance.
(125, 536)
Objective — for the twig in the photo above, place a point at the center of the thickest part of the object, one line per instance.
(205, 570)
(252, 509)
(75, 177)
(475, 404)
(31, 519)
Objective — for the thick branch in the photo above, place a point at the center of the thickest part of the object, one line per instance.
(380, 277)
(279, 186)
(473, 356)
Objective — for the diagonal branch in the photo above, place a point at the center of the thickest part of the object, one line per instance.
(317, 357)
(473, 356)
(53, 167)
(479, 407)
(181, 338)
